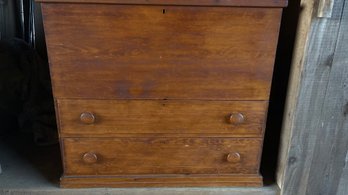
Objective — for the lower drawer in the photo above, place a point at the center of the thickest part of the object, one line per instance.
(139, 156)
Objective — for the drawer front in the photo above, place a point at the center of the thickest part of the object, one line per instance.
(161, 52)
(110, 117)
(125, 156)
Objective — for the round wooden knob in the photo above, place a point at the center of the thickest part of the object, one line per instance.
(233, 157)
(87, 118)
(236, 118)
(90, 158)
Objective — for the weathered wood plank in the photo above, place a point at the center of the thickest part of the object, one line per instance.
(332, 144)
(300, 46)
(343, 187)
(325, 8)
(315, 161)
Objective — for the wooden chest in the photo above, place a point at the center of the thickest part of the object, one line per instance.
(161, 92)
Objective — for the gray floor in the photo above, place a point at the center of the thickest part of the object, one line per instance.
(29, 170)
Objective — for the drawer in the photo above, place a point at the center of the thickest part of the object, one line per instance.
(100, 118)
(149, 155)
(161, 52)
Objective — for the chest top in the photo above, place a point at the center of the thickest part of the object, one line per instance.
(237, 3)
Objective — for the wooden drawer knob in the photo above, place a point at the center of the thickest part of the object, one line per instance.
(90, 158)
(87, 118)
(236, 118)
(233, 157)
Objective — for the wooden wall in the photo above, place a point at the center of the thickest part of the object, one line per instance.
(314, 143)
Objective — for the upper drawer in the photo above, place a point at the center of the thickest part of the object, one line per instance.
(161, 52)
(115, 117)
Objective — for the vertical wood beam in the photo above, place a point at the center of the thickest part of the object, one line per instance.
(315, 139)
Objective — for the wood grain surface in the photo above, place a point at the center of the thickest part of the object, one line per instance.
(179, 117)
(154, 93)
(161, 52)
(253, 3)
(251, 180)
(148, 155)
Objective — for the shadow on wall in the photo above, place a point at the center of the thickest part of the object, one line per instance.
(279, 88)
(26, 100)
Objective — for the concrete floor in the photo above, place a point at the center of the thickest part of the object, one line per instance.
(32, 170)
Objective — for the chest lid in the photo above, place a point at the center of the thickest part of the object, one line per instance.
(236, 3)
